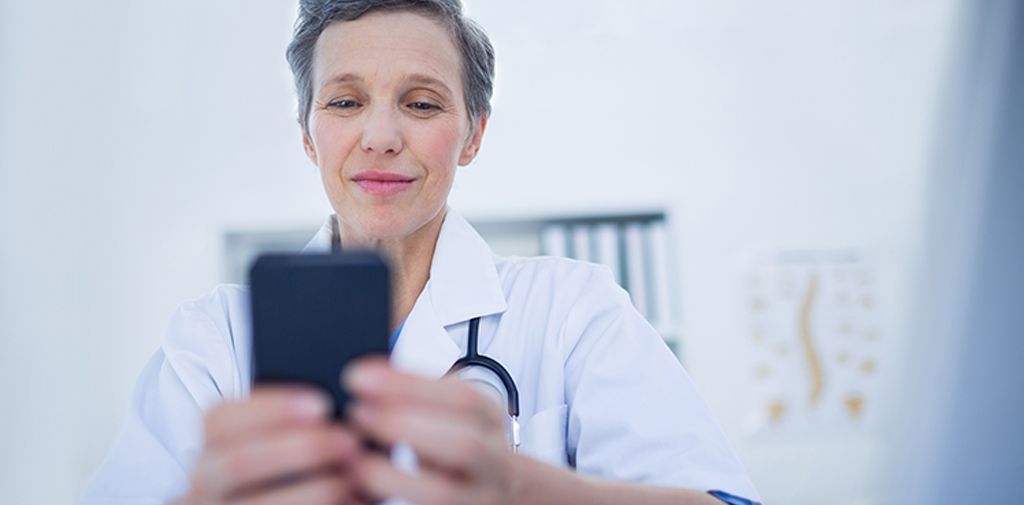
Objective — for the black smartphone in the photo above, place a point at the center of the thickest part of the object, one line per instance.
(313, 313)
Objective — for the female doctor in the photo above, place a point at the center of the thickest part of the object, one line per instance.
(394, 95)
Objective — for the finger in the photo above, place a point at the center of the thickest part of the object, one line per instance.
(442, 440)
(373, 381)
(268, 409)
(378, 480)
(269, 461)
(319, 489)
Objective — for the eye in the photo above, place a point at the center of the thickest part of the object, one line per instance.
(423, 106)
(343, 104)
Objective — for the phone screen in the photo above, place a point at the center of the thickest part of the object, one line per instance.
(313, 313)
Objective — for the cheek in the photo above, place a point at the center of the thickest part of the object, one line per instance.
(333, 143)
(439, 149)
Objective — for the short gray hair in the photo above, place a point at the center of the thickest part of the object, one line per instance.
(470, 40)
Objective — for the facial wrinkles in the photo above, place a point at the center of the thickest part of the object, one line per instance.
(387, 67)
(385, 86)
(367, 50)
(381, 84)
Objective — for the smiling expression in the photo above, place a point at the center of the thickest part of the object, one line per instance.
(388, 124)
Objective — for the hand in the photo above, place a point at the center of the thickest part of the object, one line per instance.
(457, 433)
(277, 447)
(459, 438)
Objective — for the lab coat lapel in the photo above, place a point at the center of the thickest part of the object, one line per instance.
(463, 284)
(463, 279)
(424, 347)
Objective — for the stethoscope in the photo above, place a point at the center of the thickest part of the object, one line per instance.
(472, 357)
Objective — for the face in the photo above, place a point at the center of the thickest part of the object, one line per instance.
(388, 124)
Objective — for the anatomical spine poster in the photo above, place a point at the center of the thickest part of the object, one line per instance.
(813, 329)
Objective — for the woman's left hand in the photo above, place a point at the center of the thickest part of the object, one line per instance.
(457, 433)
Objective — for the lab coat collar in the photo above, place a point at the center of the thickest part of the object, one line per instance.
(321, 242)
(463, 284)
(463, 281)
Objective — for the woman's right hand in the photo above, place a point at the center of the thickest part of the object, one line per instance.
(276, 447)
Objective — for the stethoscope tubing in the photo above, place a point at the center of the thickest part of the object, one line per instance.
(472, 357)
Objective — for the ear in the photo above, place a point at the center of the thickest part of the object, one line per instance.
(473, 146)
(307, 144)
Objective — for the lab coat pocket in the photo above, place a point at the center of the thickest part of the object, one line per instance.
(543, 436)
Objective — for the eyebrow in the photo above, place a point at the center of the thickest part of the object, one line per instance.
(342, 79)
(421, 79)
(429, 81)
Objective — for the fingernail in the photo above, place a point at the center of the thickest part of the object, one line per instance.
(313, 404)
(356, 377)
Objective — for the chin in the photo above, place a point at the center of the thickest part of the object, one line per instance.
(387, 225)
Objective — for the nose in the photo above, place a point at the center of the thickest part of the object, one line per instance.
(382, 133)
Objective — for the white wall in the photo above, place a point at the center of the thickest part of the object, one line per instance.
(132, 134)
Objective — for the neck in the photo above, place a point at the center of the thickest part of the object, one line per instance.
(409, 259)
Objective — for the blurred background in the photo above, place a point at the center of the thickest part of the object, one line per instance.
(836, 185)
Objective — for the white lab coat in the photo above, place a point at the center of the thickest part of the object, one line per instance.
(599, 389)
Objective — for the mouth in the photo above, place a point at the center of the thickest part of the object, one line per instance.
(377, 183)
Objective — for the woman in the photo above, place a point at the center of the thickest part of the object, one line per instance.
(393, 97)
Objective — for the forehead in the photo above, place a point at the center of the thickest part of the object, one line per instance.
(386, 47)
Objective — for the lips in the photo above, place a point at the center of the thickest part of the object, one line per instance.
(377, 183)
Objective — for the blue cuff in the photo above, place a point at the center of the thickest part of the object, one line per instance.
(732, 499)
